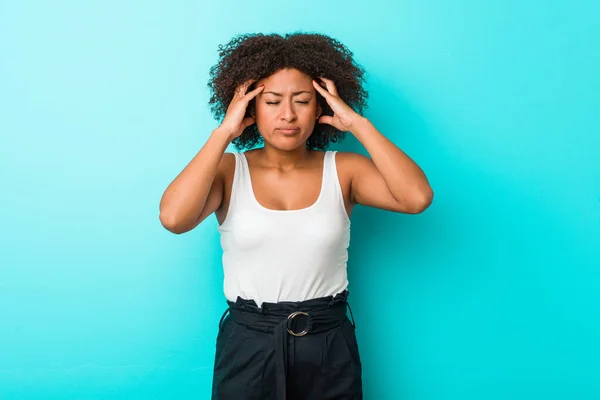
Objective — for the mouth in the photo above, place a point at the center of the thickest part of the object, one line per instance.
(289, 131)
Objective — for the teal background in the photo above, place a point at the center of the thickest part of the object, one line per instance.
(492, 293)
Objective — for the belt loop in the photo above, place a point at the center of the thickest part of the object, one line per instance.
(222, 318)
(352, 315)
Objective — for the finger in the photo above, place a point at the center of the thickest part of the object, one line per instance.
(321, 90)
(246, 122)
(241, 89)
(253, 93)
(330, 85)
(326, 119)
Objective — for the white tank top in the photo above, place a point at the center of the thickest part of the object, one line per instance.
(284, 255)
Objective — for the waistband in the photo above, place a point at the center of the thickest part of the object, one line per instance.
(289, 318)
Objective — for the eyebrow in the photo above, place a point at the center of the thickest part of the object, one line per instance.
(293, 94)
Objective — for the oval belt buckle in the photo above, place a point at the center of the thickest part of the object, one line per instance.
(291, 317)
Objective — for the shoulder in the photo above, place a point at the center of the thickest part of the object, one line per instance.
(226, 165)
(228, 159)
(348, 166)
(350, 157)
(349, 161)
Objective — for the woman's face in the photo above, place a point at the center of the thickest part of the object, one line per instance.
(287, 109)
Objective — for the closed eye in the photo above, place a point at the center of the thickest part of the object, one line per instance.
(277, 102)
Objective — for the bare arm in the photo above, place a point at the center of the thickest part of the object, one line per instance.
(197, 191)
(391, 180)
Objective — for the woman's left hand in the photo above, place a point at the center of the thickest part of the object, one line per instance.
(343, 115)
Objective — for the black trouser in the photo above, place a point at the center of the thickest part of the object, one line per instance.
(287, 351)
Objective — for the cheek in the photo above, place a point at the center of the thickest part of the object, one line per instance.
(266, 120)
(310, 115)
(264, 112)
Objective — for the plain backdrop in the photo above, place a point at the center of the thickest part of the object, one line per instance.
(492, 293)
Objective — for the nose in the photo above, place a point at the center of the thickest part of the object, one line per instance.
(287, 113)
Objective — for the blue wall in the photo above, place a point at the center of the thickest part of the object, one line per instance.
(494, 290)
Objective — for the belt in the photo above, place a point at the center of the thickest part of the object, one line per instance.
(282, 322)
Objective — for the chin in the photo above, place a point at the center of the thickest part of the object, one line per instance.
(291, 145)
(287, 143)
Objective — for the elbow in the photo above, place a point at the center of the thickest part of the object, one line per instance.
(421, 202)
(172, 224)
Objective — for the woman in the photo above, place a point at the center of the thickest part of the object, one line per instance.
(284, 212)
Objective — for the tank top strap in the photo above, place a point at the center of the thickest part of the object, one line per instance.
(332, 185)
(329, 163)
(242, 192)
(240, 181)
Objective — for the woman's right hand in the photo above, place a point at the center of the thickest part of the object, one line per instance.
(234, 122)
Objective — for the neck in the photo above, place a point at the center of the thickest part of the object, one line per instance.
(284, 159)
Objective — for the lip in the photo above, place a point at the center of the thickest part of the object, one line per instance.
(289, 130)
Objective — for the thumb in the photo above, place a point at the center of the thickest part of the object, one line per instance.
(246, 122)
(326, 119)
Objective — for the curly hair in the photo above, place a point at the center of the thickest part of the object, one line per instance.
(257, 56)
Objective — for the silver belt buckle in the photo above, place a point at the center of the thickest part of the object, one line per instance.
(291, 317)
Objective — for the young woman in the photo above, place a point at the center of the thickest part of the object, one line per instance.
(283, 208)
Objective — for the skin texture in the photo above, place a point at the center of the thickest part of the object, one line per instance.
(289, 100)
(286, 172)
(254, 57)
(287, 176)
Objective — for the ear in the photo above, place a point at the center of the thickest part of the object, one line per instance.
(251, 108)
(319, 110)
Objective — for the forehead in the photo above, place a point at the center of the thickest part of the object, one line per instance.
(288, 79)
